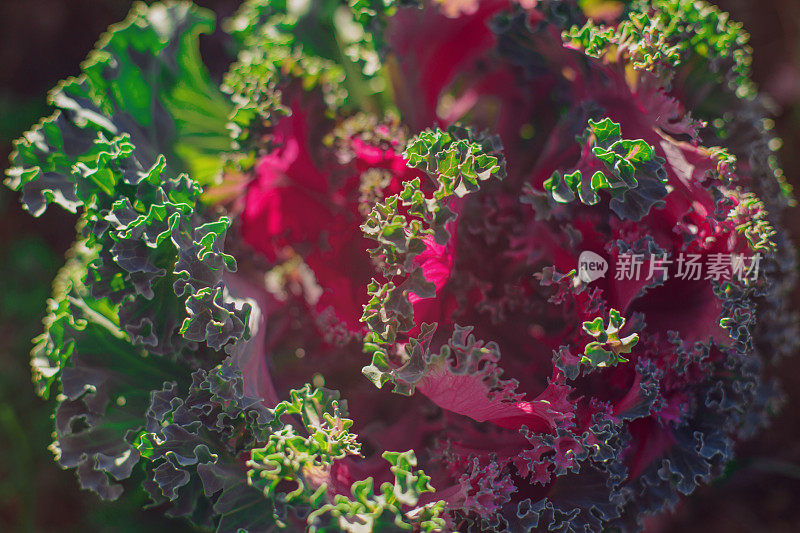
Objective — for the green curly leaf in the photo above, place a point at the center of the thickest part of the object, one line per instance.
(635, 176)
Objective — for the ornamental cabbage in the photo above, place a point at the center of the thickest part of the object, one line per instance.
(460, 265)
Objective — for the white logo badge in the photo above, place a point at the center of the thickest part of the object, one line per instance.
(591, 267)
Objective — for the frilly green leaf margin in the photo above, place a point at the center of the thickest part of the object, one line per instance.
(157, 263)
(635, 176)
(660, 35)
(146, 79)
(197, 442)
(607, 348)
(457, 162)
(141, 300)
(382, 511)
(141, 304)
(326, 45)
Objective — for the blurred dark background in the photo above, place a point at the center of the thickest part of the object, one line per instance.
(42, 42)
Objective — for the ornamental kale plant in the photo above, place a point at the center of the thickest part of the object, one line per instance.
(462, 265)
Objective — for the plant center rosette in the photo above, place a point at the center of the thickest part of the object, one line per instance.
(535, 244)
